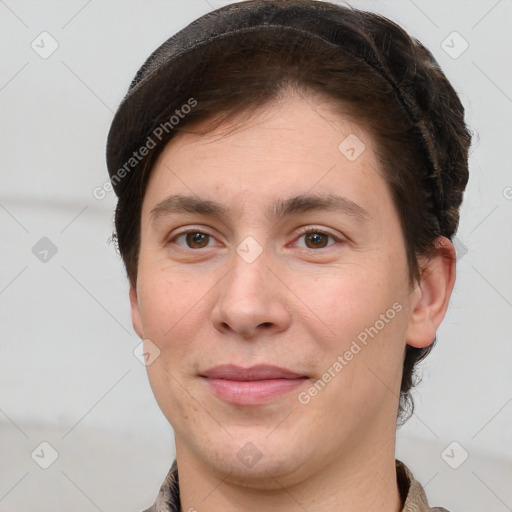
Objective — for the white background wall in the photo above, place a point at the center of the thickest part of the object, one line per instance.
(67, 372)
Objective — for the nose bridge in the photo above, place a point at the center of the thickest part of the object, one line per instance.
(249, 299)
(249, 274)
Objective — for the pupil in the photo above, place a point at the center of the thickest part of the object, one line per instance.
(315, 238)
(196, 238)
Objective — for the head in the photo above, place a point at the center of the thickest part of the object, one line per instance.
(261, 120)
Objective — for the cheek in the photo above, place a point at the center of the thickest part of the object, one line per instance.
(182, 410)
(175, 312)
(364, 320)
(343, 302)
(165, 299)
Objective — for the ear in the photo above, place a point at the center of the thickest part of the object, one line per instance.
(432, 294)
(134, 305)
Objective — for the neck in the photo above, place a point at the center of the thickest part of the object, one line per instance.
(362, 480)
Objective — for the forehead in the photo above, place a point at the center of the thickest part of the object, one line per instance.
(294, 148)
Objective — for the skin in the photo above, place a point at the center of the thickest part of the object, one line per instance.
(298, 305)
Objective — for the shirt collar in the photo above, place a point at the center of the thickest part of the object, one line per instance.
(411, 491)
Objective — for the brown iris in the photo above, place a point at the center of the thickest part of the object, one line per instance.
(316, 239)
(195, 239)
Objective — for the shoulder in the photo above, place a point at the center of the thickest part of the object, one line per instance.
(168, 499)
(413, 494)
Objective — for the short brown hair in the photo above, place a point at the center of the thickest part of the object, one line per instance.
(234, 79)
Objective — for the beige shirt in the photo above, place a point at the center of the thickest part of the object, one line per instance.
(413, 495)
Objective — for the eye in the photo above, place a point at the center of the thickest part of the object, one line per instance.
(193, 239)
(196, 239)
(316, 238)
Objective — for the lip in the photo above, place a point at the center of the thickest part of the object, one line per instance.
(256, 385)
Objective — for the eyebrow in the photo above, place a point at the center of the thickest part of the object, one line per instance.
(279, 209)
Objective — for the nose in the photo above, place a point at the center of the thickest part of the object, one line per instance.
(251, 300)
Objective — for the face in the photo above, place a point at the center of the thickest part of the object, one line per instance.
(273, 280)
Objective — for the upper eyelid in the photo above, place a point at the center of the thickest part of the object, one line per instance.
(301, 231)
(173, 235)
(317, 229)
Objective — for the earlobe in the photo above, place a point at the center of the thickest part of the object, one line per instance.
(432, 294)
(135, 311)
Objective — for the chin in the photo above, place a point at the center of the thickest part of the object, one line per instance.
(258, 462)
(267, 474)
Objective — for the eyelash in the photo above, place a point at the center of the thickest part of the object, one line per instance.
(304, 231)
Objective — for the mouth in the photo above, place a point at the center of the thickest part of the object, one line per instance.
(256, 385)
